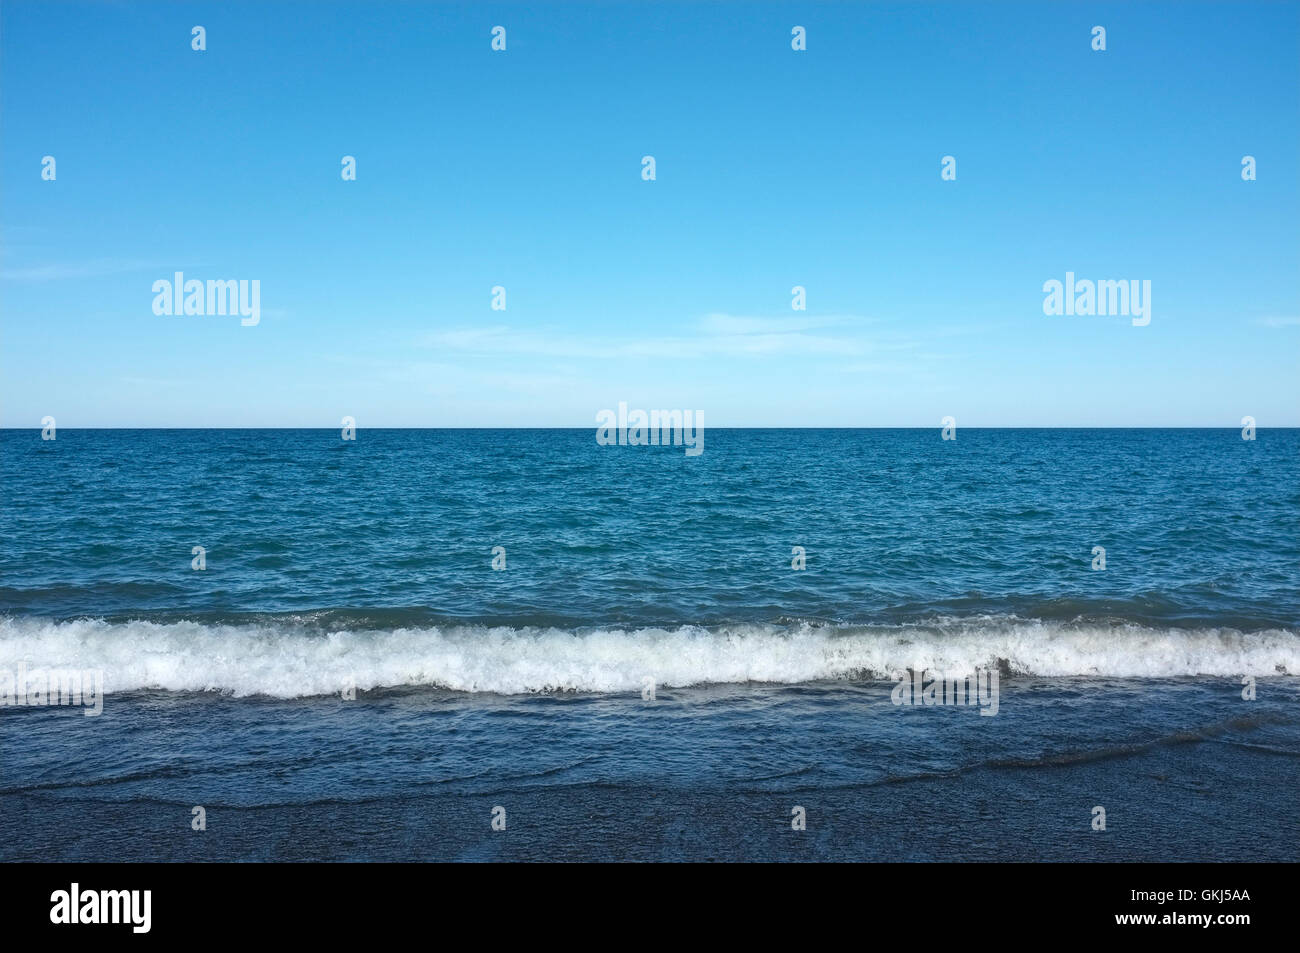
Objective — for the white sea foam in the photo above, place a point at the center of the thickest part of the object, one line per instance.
(287, 660)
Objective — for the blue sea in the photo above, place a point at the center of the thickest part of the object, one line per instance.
(523, 645)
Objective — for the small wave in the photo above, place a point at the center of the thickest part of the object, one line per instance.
(290, 659)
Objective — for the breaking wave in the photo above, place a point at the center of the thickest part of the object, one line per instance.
(289, 658)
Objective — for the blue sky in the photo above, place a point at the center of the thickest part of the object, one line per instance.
(775, 168)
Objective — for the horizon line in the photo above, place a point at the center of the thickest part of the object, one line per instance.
(38, 428)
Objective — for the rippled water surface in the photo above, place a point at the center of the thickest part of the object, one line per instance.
(333, 565)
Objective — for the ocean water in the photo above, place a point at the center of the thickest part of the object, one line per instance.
(648, 677)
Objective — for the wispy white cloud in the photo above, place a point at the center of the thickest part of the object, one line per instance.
(715, 335)
(87, 269)
(153, 382)
(1279, 321)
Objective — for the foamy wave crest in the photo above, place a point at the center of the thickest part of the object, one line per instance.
(287, 660)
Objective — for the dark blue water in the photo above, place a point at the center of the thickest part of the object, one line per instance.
(648, 677)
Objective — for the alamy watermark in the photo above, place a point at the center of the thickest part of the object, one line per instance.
(242, 297)
(43, 687)
(1125, 298)
(640, 428)
(77, 905)
(915, 687)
